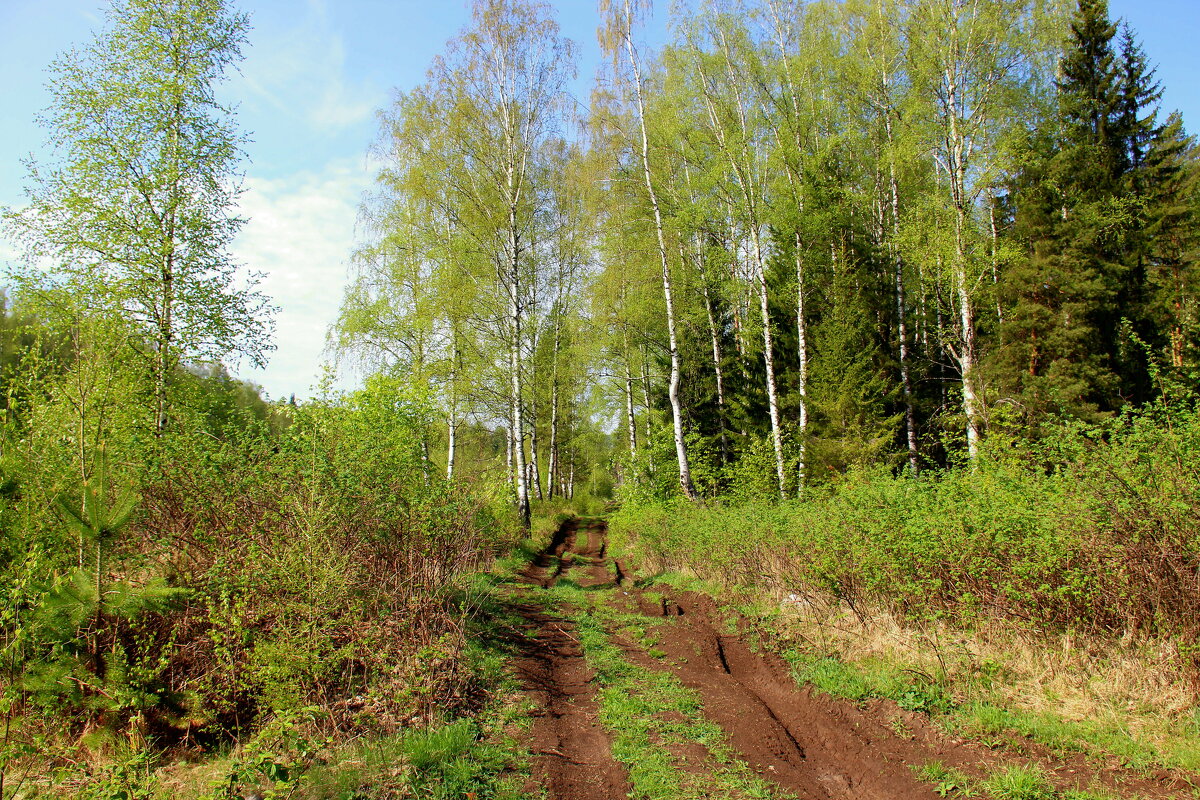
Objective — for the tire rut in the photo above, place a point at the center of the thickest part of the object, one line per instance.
(572, 752)
(811, 748)
(814, 746)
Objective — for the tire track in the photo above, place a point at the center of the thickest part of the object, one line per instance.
(572, 752)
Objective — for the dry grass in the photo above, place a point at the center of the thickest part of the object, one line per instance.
(1135, 689)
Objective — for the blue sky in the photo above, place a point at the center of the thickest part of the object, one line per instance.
(314, 75)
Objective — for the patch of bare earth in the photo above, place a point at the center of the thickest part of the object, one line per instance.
(572, 752)
(814, 746)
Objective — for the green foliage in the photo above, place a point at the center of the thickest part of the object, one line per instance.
(1020, 783)
(274, 760)
(1089, 531)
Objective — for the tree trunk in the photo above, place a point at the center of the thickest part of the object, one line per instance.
(552, 468)
(802, 355)
(452, 437)
(514, 364)
(966, 348)
(646, 398)
(535, 468)
(910, 418)
(681, 455)
(629, 416)
(164, 362)
(514, 357)
(742, 164)
(996, 264)
(452, 428)
(769, 360)
(714, 335)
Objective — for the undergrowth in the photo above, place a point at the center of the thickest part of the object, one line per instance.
(458, 754)
(1089, 530)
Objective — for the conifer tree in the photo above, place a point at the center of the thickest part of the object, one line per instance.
(1172, 233)
(1080, 296)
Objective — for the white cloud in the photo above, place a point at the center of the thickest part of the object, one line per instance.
(9, 251)
(299, 233)
(301, 73)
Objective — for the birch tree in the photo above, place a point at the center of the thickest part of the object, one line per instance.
(473, 141)
(973, 77)
(734, 122)
(616, 36)
(137, 201)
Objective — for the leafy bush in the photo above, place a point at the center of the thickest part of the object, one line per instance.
(299, 564)
(1093, 529)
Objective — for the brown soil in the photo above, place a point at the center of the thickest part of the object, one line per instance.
(813, 746)
(572, 752)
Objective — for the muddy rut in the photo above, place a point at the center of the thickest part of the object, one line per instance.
(572, 753)
(812, 746)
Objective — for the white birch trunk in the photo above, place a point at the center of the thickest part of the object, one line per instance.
(802, 356)
(910, 420)
(685, 472)
(966, 345)
(629, 415)
(714, 335)
(534, 462)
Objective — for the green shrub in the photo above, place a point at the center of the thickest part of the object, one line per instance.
(1095, 530)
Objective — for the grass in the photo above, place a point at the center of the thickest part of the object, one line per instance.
(1019, 782)
(464, 758)
(985, 717)
(467, 757)
(947, 781)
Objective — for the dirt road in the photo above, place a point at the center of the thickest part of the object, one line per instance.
(803, 744)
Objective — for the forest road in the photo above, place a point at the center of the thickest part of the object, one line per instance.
(809, 745)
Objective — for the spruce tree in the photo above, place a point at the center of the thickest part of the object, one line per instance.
(1172, 193)
(1067, 347)
(1137, 104)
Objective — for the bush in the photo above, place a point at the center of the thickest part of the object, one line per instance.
(1092, 529)
(298, 567)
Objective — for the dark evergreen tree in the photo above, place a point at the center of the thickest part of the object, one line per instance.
(1137, 106)
(1078, 304)
(1172, 234)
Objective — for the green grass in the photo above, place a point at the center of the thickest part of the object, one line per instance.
(947, 781)
(1009, 783)
(1020, 783)
(455, 760)
(1105, 739)
(911, 691)
(984, 720)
